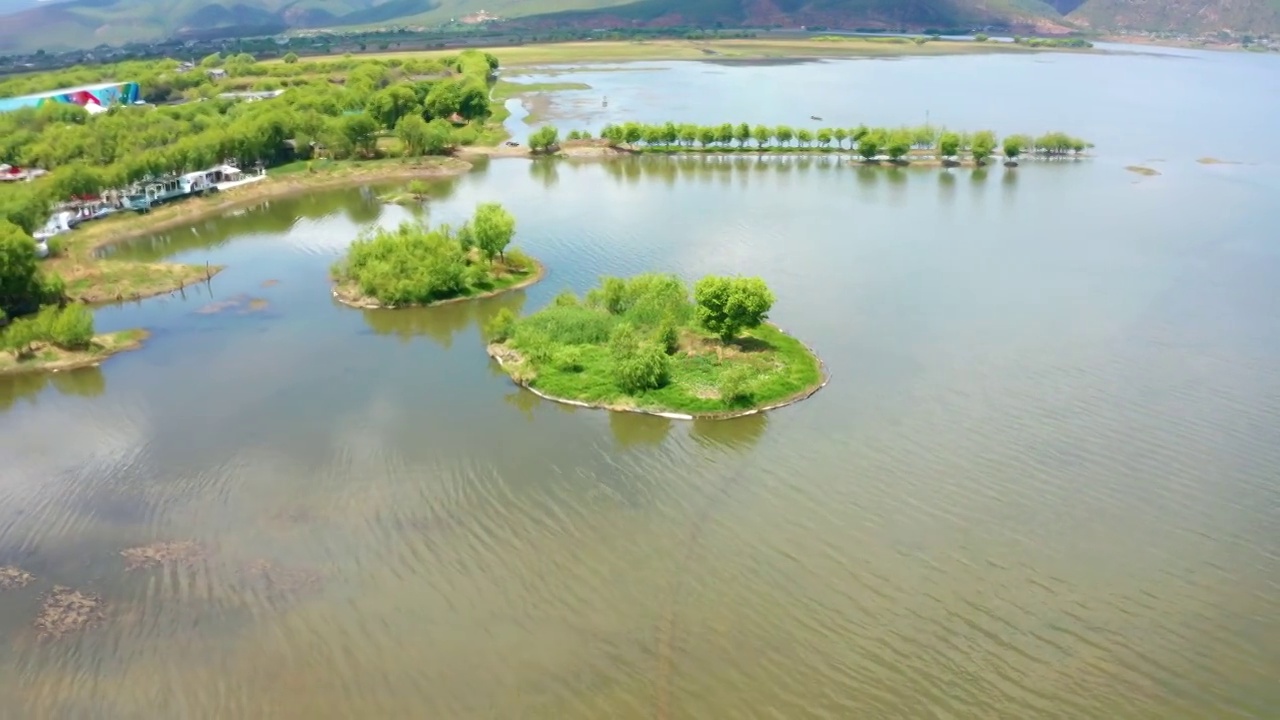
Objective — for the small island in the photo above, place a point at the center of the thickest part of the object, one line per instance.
(642, 345)
(61, 339)
(417, 266)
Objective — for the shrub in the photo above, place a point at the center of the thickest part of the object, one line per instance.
(500, 328)
(565, 299)
(570, 359)
(20, 335)
(645, 368)
(71, 327)
(668, 336)
(517, 259)
(737, 383)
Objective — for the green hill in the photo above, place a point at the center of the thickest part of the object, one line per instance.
(87, 23)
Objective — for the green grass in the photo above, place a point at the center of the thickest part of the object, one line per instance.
(563, 351)
(504, 90)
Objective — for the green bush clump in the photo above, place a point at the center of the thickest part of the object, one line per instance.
(69, 328)
(417, 265)
(736, 384)
(500, 327)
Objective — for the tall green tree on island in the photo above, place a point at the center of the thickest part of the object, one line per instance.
(547, 137)
(492, 227)
(1014, 146)
(728, 305)
(948, 145)
(982, 145)
(762, 135)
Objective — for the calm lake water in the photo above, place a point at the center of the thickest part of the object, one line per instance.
(1044, 482)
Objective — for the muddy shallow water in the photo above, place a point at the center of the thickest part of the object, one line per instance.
(1042, 483)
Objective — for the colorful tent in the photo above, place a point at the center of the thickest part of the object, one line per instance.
(94, 98)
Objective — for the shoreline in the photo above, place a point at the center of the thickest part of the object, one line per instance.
(497, 351)
(81, 264)
(107, 345)
(353, 299)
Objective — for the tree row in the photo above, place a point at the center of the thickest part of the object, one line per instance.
(867, 142)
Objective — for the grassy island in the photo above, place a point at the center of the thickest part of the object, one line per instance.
(642, 344)
(414, 265)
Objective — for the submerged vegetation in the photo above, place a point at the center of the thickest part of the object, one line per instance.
(417, 265)
(643, 344)
(869, 143)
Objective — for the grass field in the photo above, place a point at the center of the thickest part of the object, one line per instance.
(571, 53)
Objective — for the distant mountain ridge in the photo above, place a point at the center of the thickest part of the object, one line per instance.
(27, 25)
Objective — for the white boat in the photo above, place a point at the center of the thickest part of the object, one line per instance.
(58, 224)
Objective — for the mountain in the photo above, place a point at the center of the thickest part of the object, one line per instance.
(1186, 16)
(26, 25)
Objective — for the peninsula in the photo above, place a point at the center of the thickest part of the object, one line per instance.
(643, 345)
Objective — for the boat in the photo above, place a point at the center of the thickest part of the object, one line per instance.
(58, 224)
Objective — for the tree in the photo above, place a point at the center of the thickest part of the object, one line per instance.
(869, 144)
(1014, 145)
(804, 136)
(982, 145)
(898, 144)
(824, 137)
(389, 105)
(632, 133)
(706, 136)
(290, 58)
(784, 134)
(728, 305)
(742, 134)
(840, 135)
(762, 135)
(437, 139)
(493, 228)
(544, 138)
(418, 188)
(412, 131)
(948, 145)
(19, 283)
(211, 61)
(444, 99)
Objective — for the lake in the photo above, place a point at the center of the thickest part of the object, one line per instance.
(1043, 482)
